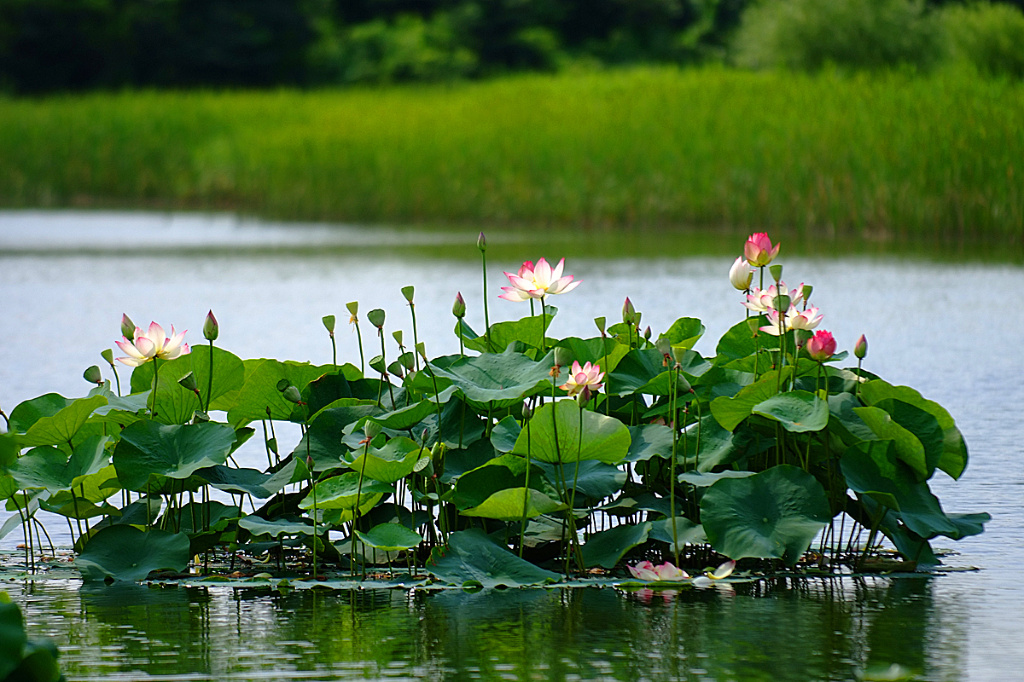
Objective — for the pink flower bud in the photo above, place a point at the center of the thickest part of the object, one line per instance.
(759, 250)
(861, 348)
(821, 346)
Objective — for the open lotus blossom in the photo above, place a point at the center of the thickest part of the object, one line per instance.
(538, 281)
(763, 300)
(741, 274)
(587, 376)
(152, 344)
(793, 319)
(821, 346)
(759, 251)
(645, 570)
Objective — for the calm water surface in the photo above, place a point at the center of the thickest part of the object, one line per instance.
(950, 330)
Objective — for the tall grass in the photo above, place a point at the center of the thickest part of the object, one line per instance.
(891, 155)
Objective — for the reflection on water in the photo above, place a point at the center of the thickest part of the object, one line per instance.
(813, 629)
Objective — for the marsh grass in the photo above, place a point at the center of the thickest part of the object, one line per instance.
(884, 155)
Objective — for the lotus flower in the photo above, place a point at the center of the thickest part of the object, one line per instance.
(759, 251)
(741, 274)
(151, 345)
(586, 377)
(860, 349)
(537, 281)
(821, 346)
(645, 570)
(763, 300)
(793, 319)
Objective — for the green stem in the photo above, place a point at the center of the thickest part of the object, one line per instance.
(156, 384)
(209, 384)
(415, 336)
(487, 317)
(672, 466)
(362, 359)
(526, 490)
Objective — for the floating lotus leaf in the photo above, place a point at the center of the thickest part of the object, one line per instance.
(511, 504)
(390, 537)
(148, 448)
(472, 559)
(772, 515)
(607, 547)
(127, 553)
(797, 411)
(555, 435)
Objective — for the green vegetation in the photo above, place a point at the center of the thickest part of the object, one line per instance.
(887, 155)
(519, 460)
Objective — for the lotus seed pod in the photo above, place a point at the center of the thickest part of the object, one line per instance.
(93, 375)
(376, 318)
(329, 324)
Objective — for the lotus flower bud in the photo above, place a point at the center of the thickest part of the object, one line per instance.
(481, 242)
(329, 324)
(600, 322)
(108, 355)
(459, 307)
(821, 346)
(628, 311)
(741, 274)
(861, 348)
(759, 251)
(776, 271)
(210, 327)
(408, 292)
(527, 410)
(292, 395)
(583, 397)
(376, 318)
(93, 375)
(647, 333)
(127, 327)
(188, 382)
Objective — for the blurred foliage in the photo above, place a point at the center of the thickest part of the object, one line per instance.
(988, 36)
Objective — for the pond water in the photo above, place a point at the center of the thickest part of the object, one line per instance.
(948, 328)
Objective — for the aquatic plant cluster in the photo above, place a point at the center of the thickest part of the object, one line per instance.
(519, 460)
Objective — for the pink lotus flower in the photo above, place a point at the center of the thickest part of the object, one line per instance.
(763, 300)
(645, 570)
(588, 376)
(741, 274)
(759, 251)
(151, 345)
(860, 349)
(537, 281)
(793, 319)
(821, 346)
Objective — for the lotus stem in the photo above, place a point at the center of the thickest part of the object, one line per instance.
(526, 484)
(672, 465)
(209, 383)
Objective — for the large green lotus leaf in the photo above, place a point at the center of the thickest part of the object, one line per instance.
(637, 373)
(174, 403)
(127, 553)
(335, 385)
(505, 433)
(511, 504)
(88, 493)
(473, 487)
(341, 492)
(908, 446)
(471, 558)
(555, 435)
(607, 547)
(797, 411)
(742, 339)
(954, 450)
(731, 411)
(649, 440)
(12, 636)
(708, 446)
(498, 380)
(772, 515)
(260, 398)
(502, 334)
(201, 517)
(594, 479)
(407, 417)
(39, 664)
(844, 422)
(685, 332)
(390, 537)
(52, 469)
(704, 480)
(874, 468)
(60, 427)
(118, 407)
(866, 511)
(600, 351)
(396, 460)
(148, 448)
(252, 481)
(276, 527)
(687, 532)
(27, 413)
(920, 423)
(327, 428)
